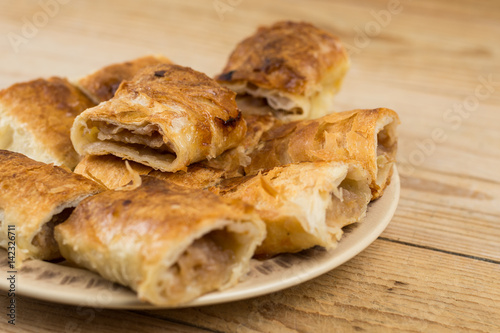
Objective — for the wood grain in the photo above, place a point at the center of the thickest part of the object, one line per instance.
(436, 267)
(39, 316)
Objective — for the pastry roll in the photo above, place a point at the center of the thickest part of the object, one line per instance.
(35, 197)
(167, 117)
(36, 118)
(169, 243)
(101, 85)
(295, 66)
(113, 173)
(366, 136)
(303, 204)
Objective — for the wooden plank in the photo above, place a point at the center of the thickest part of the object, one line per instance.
(449, 212)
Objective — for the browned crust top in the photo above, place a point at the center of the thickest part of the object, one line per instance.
(288, 56)
(184, 86)
(159, 212)
(102, 84)
(37, 188)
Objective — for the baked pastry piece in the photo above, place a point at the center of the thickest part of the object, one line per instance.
(303, 204)
(101, 85)
(368, 137)
(167, 117)
(35, 197)
(295, 66)
(113, 173)
(36, 118)
(169, 243)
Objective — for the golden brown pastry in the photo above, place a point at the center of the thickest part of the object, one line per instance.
(169, 243)
(36, 118)
(303, 204)
(35, 197)
(113, 173)
(366, 136)
(232, 161)
(101, 85)
(167, 117)
(295, 66)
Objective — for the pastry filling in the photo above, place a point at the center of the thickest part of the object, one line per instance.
(386, 151)
(145, 139)
(312, 104)
(45, 240)
(206, 265)
(285, 103)
(349, 205)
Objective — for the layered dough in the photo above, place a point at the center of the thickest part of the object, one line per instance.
(36, 197)
(367, 137)
(36, 118)
(296, 67)
(114, 173)
(303, 204)
(101, 85)
(169, 243)
(231, 163)
(167, 117)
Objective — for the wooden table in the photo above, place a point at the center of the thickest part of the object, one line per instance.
(437, 63)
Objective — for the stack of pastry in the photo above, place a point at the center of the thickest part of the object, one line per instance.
(179, 179)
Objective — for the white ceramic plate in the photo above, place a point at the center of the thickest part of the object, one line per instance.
(64, 284)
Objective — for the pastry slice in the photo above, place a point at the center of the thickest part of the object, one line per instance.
(36, 118)
(303, 204)
(113, 173)
(169, 243)
(296, 67)
(367, 137)
(101, 85)
(167, 117)
(36, 197)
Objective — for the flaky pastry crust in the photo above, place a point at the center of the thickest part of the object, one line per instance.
(35, 197)
(101, 85)
(112, 172)
(36, 118)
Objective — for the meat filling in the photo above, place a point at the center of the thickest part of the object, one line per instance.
(350, 207)
(386, 149)
(385, 144)
(45, 240)
(205, 265)
(147, 136)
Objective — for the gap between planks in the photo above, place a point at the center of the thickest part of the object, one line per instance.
(426, 247)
